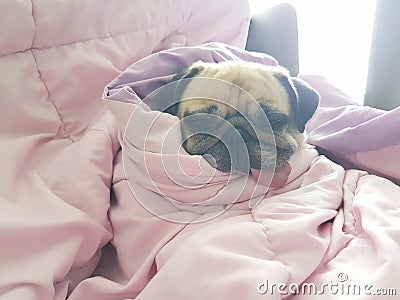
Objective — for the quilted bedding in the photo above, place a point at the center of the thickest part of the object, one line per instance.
(332, 231)
(73, 226)
(58, 140)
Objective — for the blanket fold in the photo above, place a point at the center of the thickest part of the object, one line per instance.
(58, 140)
(320, 231)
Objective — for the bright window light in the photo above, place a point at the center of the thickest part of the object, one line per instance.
(334, 39)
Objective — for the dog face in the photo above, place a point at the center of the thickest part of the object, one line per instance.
(262, 105)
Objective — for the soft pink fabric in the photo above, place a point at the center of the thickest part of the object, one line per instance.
(61, 237)
(58, 139)
(356, 136)
(328, 227)
(325, 222)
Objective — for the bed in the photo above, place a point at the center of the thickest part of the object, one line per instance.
(73, 226)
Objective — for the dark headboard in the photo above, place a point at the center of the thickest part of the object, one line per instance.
(275, 32)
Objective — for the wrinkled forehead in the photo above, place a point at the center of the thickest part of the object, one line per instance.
(238, 89)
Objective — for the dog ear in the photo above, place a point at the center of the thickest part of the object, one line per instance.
(303, 99)
(179, 85)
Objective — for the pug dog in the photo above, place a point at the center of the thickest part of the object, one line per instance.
(262, 108)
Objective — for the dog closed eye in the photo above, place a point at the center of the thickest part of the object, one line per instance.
(209, 109)
(276, 119)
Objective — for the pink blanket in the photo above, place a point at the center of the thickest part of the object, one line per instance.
(183, 230)
(57, 138)
(72, 225)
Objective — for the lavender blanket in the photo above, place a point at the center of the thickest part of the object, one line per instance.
(355, 136)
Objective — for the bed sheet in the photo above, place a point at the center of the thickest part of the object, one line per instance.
(331, 233)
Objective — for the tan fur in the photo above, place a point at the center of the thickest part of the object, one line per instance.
(239, 86)
(256, 79)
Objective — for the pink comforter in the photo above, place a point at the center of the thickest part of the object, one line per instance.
(65, 233)
(58, 140)
(193, 232)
